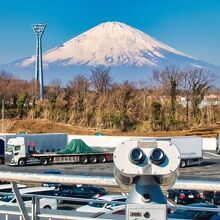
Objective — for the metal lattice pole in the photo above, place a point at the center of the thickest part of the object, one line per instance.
(39, 30)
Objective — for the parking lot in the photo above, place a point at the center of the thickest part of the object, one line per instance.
(208, 170)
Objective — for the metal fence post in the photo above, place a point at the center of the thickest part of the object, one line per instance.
(35, 208)
(20, 201)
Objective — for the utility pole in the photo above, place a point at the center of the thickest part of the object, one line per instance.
(3, 115)
(39, 30)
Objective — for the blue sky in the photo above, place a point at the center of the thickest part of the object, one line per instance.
(192, 26)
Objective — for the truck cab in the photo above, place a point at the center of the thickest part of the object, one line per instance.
(15, 150)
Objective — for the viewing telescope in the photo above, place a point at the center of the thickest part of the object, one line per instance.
(144, 166)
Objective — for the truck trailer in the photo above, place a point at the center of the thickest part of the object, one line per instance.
(190, 147)
(49, 149)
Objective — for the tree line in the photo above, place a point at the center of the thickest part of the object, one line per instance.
(98, 101)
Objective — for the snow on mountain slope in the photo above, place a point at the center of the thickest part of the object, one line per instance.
(109, 44)
(130, 53)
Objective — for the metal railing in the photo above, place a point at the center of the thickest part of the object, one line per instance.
(36, 214)
(205, 185)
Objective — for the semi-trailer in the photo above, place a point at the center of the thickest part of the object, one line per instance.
(58, 139)
(47, 149)
(190, 147)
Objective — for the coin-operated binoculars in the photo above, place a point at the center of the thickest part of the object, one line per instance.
(145, 166)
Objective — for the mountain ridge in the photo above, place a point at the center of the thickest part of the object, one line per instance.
(111, 44)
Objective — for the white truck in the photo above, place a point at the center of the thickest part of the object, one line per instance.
(20, 148)
(190, 147)
(51, 148)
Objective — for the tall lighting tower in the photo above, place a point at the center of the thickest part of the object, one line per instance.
(39, 30)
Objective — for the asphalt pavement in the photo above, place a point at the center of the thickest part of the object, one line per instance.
(208, 170)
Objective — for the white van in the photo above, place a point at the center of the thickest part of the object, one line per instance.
(46, 203)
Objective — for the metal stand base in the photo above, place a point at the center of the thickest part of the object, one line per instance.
(146, 201)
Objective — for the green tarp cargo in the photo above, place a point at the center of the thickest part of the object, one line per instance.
(78, 146)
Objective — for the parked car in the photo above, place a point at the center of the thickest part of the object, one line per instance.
(180, 196)
(7, 188)
(44, 202)
(104, 206)
(194, 214)
(54, 172)
(212, 196)
(84, 192)
(215, 217)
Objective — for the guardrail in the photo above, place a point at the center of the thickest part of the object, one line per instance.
(36, 214)
(205, 185)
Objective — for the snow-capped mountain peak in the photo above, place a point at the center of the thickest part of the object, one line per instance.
(109, 44)
(130, 53)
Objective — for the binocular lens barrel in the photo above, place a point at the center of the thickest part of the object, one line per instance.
(137, 156)
(157, 156)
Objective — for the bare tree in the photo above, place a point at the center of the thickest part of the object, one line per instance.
(52, 92)
(78, 89)
(125, 105)
(101, 80)
(197, 83)
(169, 80)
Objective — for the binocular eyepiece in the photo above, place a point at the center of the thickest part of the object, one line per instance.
(137, 156)
(157, 156)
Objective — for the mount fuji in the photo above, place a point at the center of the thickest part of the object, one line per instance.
(128, 52)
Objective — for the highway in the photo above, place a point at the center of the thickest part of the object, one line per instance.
(208, 170)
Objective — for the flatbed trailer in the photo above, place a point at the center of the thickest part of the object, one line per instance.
(54, 158)
(22, 151)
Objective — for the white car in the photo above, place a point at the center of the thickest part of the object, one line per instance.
(8, 187)
(104, 207)
(44, 202)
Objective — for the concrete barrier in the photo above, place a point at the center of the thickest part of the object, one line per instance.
(209, 143)
(101, 141)
(113, 141)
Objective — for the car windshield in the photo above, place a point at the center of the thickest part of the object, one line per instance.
(52, 172)
(6, 198)
(180, 212)
(188, 213)
(96, 204)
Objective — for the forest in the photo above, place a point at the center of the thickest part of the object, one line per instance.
(171, 99)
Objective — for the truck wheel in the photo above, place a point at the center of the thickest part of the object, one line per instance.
(44, 161)
(21, 162)
(102, 159)
(93, 159)
(83, 159)
(183, 163)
